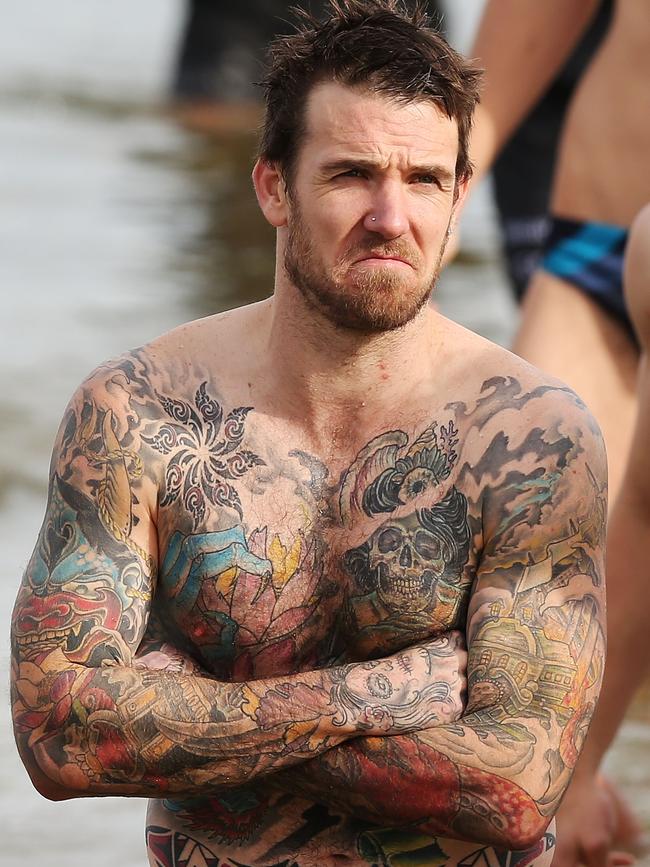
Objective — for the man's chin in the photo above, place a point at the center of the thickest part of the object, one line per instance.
(374, 306)
(366, 300)
(372, 318)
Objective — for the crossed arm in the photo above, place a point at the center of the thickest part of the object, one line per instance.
(93, 720)
(535, 662)
(90, 721)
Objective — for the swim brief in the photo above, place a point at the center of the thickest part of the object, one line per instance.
(590, 256)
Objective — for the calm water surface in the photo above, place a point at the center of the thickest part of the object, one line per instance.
(117, 226)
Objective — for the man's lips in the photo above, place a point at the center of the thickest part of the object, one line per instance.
(378, 257)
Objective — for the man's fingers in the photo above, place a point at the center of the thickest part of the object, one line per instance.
(458, 639)
(447, 643)
(596, 854)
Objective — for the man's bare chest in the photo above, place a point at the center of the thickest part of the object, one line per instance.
(272, 560)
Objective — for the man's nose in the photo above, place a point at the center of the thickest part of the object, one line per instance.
(387, 215)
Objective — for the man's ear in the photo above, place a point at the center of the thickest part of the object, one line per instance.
(271, 192)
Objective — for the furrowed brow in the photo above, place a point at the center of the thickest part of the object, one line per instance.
(345, 164)
(442, 173)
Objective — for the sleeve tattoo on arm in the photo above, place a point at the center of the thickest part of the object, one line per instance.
(531, 502)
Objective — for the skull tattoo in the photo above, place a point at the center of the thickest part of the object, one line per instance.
(403, 561)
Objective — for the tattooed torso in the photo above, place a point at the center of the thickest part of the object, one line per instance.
(302, 567)
(308, 569)
(274, 558)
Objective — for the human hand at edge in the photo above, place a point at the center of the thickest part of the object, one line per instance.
(588, 825)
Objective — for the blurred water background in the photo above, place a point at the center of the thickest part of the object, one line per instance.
(116, 225)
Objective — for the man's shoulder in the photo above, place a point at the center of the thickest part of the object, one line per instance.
(118, 380)
(506, 398)
(529, 450)
(172, 363)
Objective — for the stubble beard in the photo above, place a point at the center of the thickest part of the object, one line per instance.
(370, 301)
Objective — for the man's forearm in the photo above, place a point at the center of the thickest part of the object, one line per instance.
(407, 781)
(145, 733)
(125, 730)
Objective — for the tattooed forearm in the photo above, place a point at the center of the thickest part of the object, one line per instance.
(126, 730)
(406, 781)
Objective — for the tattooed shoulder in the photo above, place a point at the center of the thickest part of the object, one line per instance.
(511, 413)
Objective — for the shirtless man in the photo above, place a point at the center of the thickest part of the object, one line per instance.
(266, 529)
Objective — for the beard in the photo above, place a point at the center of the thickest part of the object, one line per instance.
(370, 301)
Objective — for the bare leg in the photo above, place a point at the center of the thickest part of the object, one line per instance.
(629, 528)
(566, 334)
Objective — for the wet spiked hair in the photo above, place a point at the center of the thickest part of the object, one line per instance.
(389, 47)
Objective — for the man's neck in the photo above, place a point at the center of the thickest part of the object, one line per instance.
(330, 377)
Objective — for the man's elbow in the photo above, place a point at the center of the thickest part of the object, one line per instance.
(50, 790)
(47, 787)
(522, 823)
(526, 835)
(42, 781)
(501, 812)
(507, 820)
(516, 832)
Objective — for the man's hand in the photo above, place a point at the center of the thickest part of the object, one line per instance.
(415, 689)
(588, 826)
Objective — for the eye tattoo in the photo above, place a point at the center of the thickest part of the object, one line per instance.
(379, 686)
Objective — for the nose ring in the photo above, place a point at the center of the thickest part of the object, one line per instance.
(373, 219)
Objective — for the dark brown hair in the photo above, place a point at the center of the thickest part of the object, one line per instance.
(387, 46)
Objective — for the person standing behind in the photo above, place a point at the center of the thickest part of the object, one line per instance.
(575, 322)
(589, 818)
(530, 153)
(220, 59)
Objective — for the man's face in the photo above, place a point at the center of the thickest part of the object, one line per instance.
(370, 206)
